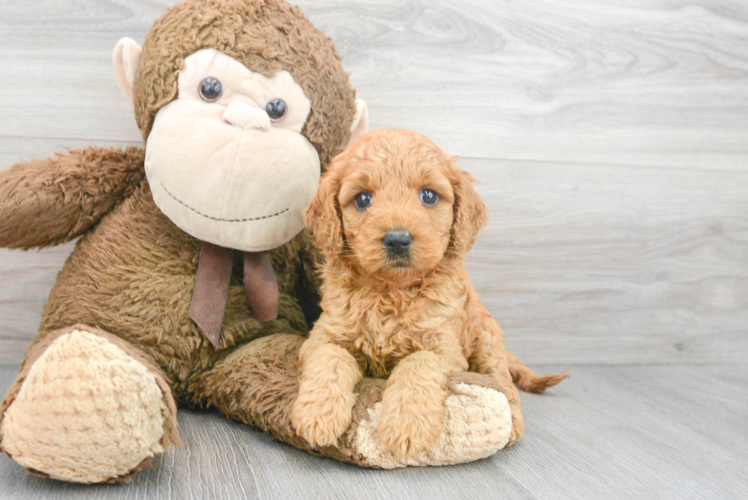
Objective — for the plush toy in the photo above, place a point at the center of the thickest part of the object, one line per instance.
(193, 280)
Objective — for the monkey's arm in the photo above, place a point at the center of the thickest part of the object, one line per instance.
(48, 202)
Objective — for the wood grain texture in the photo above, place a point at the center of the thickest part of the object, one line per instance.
(608, 432)
(600, 264)
(579, 264)
(582, 261)
(611, 139)
(656, 82)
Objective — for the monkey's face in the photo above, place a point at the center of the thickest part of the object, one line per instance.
(226, 160)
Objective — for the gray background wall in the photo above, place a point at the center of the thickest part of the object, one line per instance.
(611, 140)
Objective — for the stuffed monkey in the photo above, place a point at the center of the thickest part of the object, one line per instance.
(193, 280)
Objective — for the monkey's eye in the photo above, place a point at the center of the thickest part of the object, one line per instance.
(362, 200)
(210, 89)
(276, 109)
(429, 197)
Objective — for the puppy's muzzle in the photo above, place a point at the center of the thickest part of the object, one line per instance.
(397, 242)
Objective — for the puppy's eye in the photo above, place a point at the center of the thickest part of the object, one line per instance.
(276, 109)
(362, 200)
(210, 89)
(429, 197)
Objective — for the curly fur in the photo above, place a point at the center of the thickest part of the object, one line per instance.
(416, 320)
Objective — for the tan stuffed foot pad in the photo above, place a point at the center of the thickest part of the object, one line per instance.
(477, 423)
(87, 412)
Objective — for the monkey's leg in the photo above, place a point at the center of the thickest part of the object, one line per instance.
(258, 384)
(53, 200)
(87, 407)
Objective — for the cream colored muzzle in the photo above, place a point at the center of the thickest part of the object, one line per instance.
(221, 170)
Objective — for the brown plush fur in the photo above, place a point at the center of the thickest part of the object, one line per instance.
(132, 273)
(282, 38)
(132, 276)
(48, 202)
(416, 319)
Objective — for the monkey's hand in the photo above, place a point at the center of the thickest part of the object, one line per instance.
(51, 201)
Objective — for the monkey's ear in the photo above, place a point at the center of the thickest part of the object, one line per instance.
(126, 57)
(360, 122)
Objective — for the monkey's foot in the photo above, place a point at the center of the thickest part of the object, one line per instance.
(87, 412)
(258, 384)
(477, 423)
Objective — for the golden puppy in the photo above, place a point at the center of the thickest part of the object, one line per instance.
(394, 217)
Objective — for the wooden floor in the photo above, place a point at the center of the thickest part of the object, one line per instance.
(611, 139)
(611, 432)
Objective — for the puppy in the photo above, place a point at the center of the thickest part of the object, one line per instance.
(394, 217)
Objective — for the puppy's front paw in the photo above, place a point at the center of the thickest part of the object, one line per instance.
(518, 430)
(321, 420)
(408, 428)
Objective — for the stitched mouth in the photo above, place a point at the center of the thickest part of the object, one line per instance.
(248, 219)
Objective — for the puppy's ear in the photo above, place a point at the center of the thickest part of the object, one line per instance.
(322, 216)
(470, 213)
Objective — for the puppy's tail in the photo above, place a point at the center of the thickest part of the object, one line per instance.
(528, 380)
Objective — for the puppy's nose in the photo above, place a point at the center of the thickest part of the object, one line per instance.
(397, 242)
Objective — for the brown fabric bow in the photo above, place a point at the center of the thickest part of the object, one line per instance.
(212, 288)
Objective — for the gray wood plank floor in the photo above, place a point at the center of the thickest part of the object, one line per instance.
(611, 140)
(610, 432)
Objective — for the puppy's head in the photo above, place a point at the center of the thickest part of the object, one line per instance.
(394, 205)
